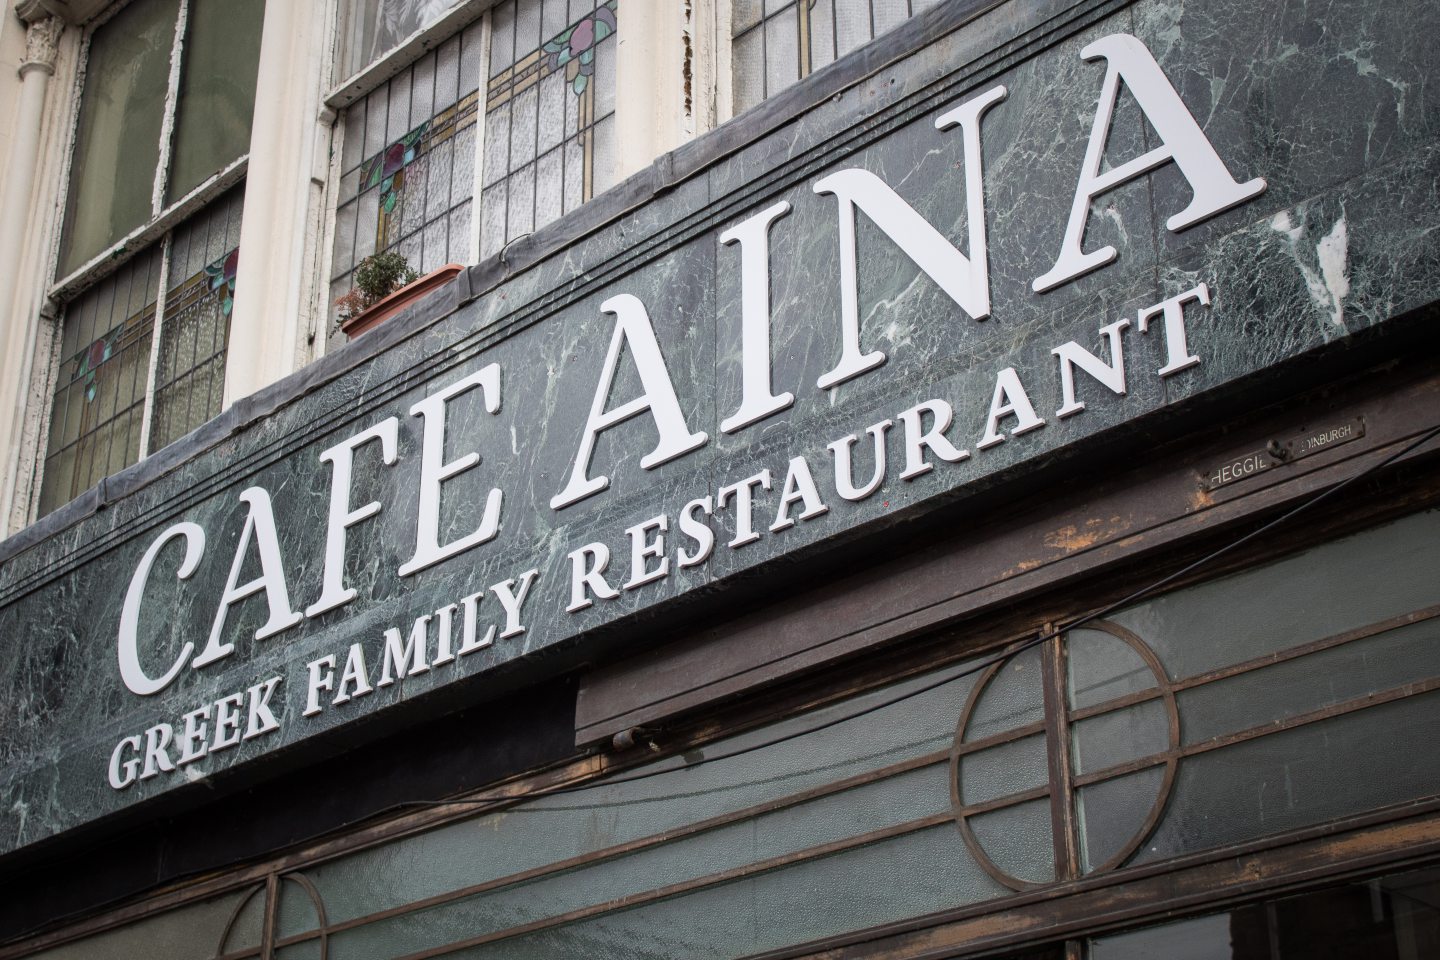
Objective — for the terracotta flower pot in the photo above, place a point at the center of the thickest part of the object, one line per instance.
(383, 310)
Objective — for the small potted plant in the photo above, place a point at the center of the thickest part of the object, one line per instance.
(385, 284)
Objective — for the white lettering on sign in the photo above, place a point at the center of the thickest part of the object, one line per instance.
(1244, 467)
(1182, 142)
(742, 499)
(259, 524)
(213, 726)
(756, 400)
(130, 670)
(758, 501)
(632, 328)
(1324, 439)
(434, 471)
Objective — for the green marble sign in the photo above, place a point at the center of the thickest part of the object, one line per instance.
(1053, 224)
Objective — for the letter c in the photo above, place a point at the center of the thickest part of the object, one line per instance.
(130, 669)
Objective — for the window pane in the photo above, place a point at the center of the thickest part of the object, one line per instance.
(798, 37)
(100, 384)
(117, 141)
(379, 26)
(217, 90)
(552, 103)
(410, 149)
(659, 861)
(195, 334)
(1395, 917)
(193, 932)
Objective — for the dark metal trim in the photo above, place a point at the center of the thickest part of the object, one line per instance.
(1064, 828)
(1203, 882)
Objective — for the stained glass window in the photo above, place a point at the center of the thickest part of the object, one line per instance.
(549, 114)
(166, 106)
(99, 396)
(408, 164)
(778, 42)
(107, 390)
(195, 332)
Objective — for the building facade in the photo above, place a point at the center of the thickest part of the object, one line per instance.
(868, 478)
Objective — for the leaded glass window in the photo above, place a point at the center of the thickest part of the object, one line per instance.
(778, 42)
(95, 416)
(190, 372)
(112, 403)
(549, 114)
(166, 104)
(408, 164)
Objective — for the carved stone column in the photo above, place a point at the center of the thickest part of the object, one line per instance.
(18, 322)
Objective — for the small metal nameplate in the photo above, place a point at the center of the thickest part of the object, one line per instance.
(1280, 452)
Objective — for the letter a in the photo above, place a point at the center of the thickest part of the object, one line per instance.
(632, 326)
(259, 523)
(1181, 140)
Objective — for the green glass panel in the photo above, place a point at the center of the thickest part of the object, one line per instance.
(1003, 770)
(1338, 767)
(1113, 812)
(1018, 841)
(217, 90)
(1318, 680)
(1119, 737)
(1393, 917)
(923, 872)
(556, 828)
(192, 932)
(1338, 586)
(1103, 667)
(117, 140)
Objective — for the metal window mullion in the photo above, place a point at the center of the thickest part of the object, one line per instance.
(535, 149)
(764, 55)
(510, 123)
(190, 371)
(487, 40)
(167, 123)
(147, 415)
(410, 124)
(108, 429)
(834, 29)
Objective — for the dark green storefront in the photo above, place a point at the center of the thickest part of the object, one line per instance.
(867, 554)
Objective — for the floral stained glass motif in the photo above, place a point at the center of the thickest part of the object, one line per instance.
(578, 43)
(407, 164)
(97, 409)
(221, 274)
(87, 364)
(387, 168)
(549, 114)
(195, 331)
(394, 167)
